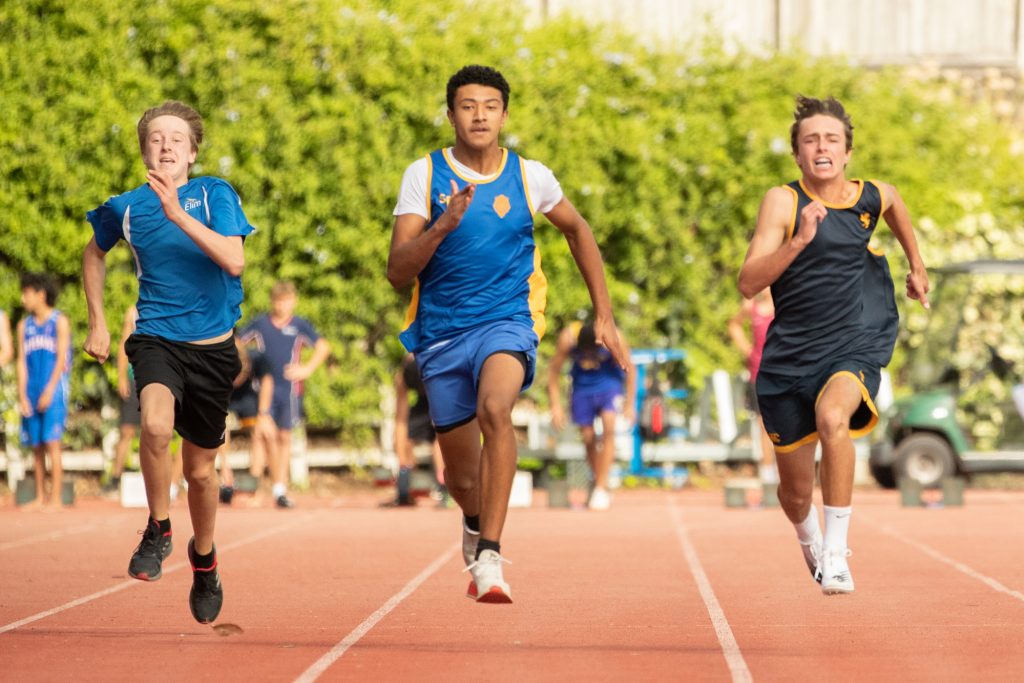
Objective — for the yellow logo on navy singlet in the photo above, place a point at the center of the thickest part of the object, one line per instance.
(865, 220)
(502, 205)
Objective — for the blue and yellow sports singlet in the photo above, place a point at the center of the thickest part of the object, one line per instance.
(487, 269)
(835, 300)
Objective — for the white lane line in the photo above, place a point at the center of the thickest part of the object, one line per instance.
(134, 582)
(730, 649)
(959, 566)
(48, 536)
(321, 665)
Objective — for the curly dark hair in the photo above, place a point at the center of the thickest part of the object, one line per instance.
(42, 282)
(806, 107)
(474, 74)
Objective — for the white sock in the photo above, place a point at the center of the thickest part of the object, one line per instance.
(808, 530)
(837, 524)
(279, 489)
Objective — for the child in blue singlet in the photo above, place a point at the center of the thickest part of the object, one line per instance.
(834, 328)
(463, 237)
(599, 386)
(44, 362)
(186, 237)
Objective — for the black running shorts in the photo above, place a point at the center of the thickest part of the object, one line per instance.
(199, 376)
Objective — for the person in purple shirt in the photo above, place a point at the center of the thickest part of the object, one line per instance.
(186, 237)
(280, 336)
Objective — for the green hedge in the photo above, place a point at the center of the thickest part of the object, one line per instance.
(315, 107)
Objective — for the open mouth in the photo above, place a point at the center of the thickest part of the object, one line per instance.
(822, 163)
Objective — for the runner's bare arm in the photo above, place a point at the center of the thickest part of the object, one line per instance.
(583, 246)
(564, 346)
(771, 249)
(412, 245)
(227, 251)
(94, 274)
(897, 217)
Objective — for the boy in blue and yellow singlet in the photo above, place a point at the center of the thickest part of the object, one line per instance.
(44, 362)
(463, 232)
(834, 328)
(186, 237)
(599, 386)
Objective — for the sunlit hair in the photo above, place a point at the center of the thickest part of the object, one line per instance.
(806, 107)
(173, 108)
(474, 74)
(282, 289)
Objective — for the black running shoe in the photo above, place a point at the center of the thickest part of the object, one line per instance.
(226, 494)
(284, 502)
(207, 595)
(148, 558)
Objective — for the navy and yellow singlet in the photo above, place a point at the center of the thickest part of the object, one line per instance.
(487, 269)
(836, 299)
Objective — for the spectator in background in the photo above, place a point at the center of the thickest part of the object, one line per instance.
(759, 313)
(44, 362)
(600, 389)
(249, 409)
(280, 337)
(6, 345)
(412, 426)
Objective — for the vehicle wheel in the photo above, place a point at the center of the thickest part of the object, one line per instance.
(885, 475)
(925, 457)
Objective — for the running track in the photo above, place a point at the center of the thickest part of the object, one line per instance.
(664, 586)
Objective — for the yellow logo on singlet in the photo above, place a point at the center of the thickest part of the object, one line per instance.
(865, 220)
(502, 205)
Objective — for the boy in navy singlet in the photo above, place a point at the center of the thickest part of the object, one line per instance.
(598, 385)
(834, 328)
(44, 361)
(186, 238)
(280, 338)
(463, 233)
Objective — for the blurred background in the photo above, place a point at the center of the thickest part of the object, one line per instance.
(665, 121)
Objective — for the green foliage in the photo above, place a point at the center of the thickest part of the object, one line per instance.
(315, 107)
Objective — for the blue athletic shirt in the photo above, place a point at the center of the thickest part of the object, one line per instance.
(280, 346)
(183, 294)
(594, 371)
(40, 359)
(487, 269)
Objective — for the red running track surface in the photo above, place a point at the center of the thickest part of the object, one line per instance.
(664, 586)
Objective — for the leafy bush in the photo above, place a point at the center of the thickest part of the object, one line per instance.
(315, 107)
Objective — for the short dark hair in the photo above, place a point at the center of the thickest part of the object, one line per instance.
(41, 282)
(474, 74)
(806, 107)
(586, 340)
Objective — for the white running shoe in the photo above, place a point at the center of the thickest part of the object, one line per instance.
(488, 583)
(812, 556)
(600, 499)
(835, 572)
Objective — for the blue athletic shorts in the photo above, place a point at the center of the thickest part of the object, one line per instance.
(451, 369)
(42, 428)
(788, 402)
(586, 407)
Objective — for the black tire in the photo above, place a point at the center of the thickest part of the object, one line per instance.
(885, 475)
(925, 457)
